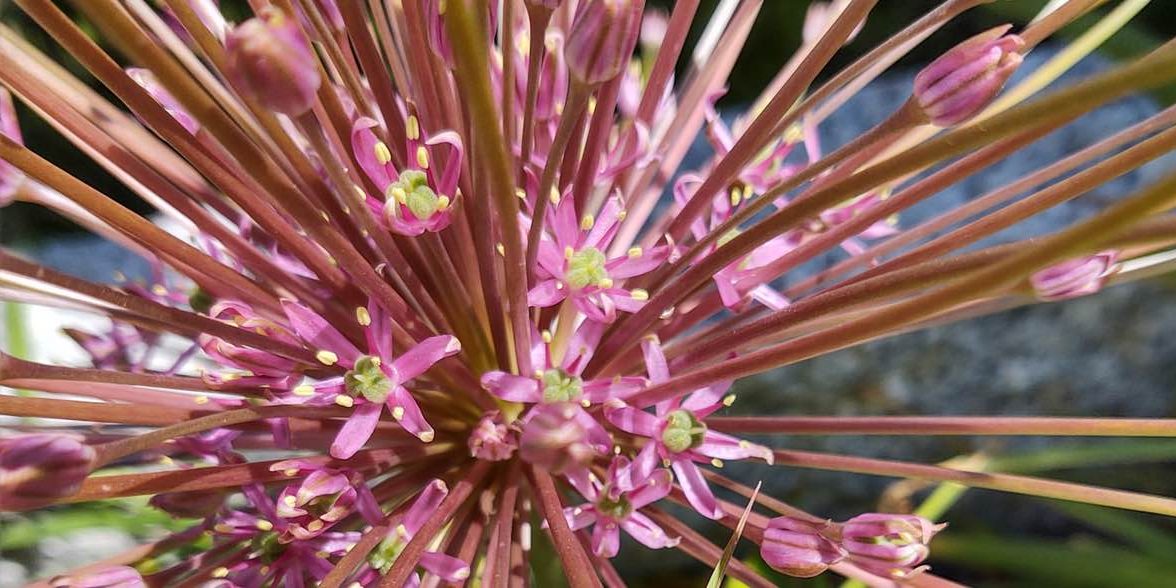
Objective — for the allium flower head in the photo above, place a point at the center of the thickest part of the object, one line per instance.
(430, 283)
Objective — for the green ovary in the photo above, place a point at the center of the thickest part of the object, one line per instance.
(586, 268)
(559, 386)
(683, 431)
(367, 379)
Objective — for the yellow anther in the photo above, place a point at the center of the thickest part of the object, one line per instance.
(304, 390)
(794, 134)
(325, 216)
(553, 195)
(383, 155)
(422, 157)
(569, 252)
(315, 525)
(326, 357)
(165, 460)
(426, 436)
(635, 252)
(718, 463)
(728, 400)
(606, 283)
(397, 412)
(586, 222)
(520, 194)
(401, 530)
(621, 214)
(585, 403)
(395, 192)
(290, 500)
(223, 528)
(221, 572)
(362, 316)
(412, 128)
(638, 294)
(159, 290)
(500, 248)
(290, 473)
(442, 202)
(202, 399)
(264, 525)
(546, 336)
(736, 196)
(344, 400)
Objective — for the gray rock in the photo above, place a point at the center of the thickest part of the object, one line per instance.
(81, 547)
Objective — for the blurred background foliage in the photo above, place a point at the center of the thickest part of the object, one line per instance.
(1090, 546)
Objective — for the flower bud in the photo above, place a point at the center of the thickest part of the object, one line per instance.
(1075, 277)
(492, 439)
(196, 504)
(39, 469)
(555, 440)
(889, 545)
(798, 548)
(10, 177)
(601, 40)
(270, 60)
(111, 577)
(964, 80)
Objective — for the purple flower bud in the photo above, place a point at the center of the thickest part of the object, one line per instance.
(37, 470)
(189, 505)
(554, 439)
(492, 439)
(10, 177)
(147, 80)
(964, 80)
(799, 548)
(1075, 277)
(111, 577)
(601, 40)
(270, 60)
(890, 545)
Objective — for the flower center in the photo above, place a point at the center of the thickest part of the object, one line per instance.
(586, 268)
(683, 431)
(367, 379)
(267, 546)
(412, 190)
(614, 508)
(559, 386)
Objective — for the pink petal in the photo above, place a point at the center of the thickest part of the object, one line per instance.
(406, 412)
(606, 539)
(444, 566)
(655, 488)
(356, 431)
(316, 331)
(697, 492)
(424, 355)
(368, 506)
(627, 267)
(655, 360)
(379, 331)
(632, 420)
(597, 436)
(645, 464)
(511, 387)
(646, 532)
(580, 517)
(722, 446)
(363, 144)
(706, 398)
(606, 224)
(547, 293)
(424, 506)
(446, 183)
(599, 391)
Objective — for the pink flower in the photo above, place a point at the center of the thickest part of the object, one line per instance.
(444, 566)
(572, 263)
(269, 60)
(890, 545)
(1075, 277)
(678, 434)
(262, 368)
(967, 77)
(615, 504)
(799, 548)
(420, 197)
(372, 381)
(561, 437)
(492, 439)
(322, 499)
(40, 469)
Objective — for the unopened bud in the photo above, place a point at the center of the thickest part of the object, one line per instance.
(492, 439)
(799, 548)
(189, 505)
(1075, 277)
(964, 80)
(889, 545)
(601, 40)
(10, 177)
(553, 439)
(270, 60)
(111, 577)
(39, 469)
